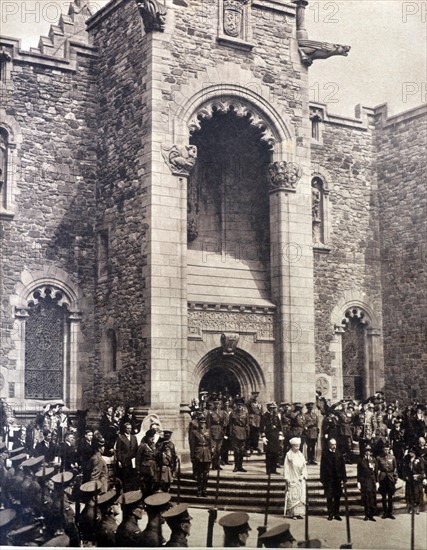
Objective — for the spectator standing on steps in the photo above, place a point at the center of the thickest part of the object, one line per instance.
(367, 482)
(238, 431)
(332, 477)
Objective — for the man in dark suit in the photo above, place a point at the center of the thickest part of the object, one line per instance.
(332, 476)
(46, 447)
(68, 452)
(126, 448)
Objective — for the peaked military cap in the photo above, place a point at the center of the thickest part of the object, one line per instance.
(132, 497)
(298, 405)
(62, 478)
(108, 498)
(168, 431)
(19, 457)
(272, 405)
(236, 521)
(6, 517)
(177, 514)
(45, 473)
(278, 531)
(60, 541)
(90, 486)
(17, 451)
(309, 404)
(158, 499)
(255, 393)
(33, 461)
(23, 534)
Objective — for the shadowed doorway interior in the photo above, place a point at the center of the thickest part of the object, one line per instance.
(220, 380)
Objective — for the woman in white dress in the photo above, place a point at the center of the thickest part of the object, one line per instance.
(295, 476)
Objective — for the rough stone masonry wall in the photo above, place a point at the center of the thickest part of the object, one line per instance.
(120, 298)
(353, 263)
(54, 216)
(401, 168)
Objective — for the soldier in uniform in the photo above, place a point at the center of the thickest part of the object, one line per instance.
(226, 441)
(236, 529)
(285, 417)
(62, 512)
(255, 412)
(168, 460)
(397, 441)
(179, 522)
(107, 527)
(279, 537)
(30, 493)
(216, 422)
(202, 456)
(367, 482)
(238, 431)
(272, 437)
(128, 532)
(98, 466)
(298, 423)
(155, 505)
(311, 430)
(387, 477)
(344, 430)
(147, 463)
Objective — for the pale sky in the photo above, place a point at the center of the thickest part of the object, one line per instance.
(387, 61)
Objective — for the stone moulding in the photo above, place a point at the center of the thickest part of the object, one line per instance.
(284, 175)
(180, 160)
(241, 109)
(226, 319)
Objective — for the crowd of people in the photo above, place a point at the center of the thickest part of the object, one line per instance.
(65, 480)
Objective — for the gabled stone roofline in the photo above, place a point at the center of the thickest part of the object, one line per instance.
(381, 111)
(64, 63)
(104, 12)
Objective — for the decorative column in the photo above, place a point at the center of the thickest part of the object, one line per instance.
(292, 281)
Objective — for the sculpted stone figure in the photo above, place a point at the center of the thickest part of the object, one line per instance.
(283, 175)
(153, 15)
(311, 49)
(180, 160)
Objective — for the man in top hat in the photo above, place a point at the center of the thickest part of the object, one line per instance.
(126, 449)
(109, 509)
(311, 431)
(278, 537)
(238, 431)
(179, 522)
(236, 529)
(155, 505)
(272, 437)
(255, 412)
(332, 477)
(216, 423)
(168, 460)
(128, 532)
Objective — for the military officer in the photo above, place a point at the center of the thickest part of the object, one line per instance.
(236, 529)
(128, 532)
(255, 412)
(298, 423)
(216, 423)
(155, 505)
(202, 456)
(168, 460)
(272, 437)
(311, 430)
(179, 522)
(107, 527)
(367, 482)
(238, 431)
(387, 477)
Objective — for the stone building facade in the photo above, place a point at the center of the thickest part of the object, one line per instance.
(176, 216)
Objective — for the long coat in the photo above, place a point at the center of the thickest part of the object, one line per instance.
(201, 445)
(126, 450)
(332, 472)
(367, 474)
(271, 428)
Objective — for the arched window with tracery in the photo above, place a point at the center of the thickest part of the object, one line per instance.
(4, 147)
(47, 337)
(354, 359)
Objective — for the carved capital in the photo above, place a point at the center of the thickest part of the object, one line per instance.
(153, 15)
(229, 343)
(284, 175)
(180, 160)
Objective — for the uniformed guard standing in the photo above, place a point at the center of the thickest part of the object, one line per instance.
(255, 412)
(238, 431)
(236, 529)
(367, 482)
(128, 532)
(202, 456)
(216, 422)
(311, 430)
(298, 423)
(147, 464)
(179, 522)
(226, 444)
(387, 477)
(272, 437)
(168, 460)
(155, 505)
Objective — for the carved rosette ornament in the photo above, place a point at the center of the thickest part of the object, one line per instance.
(180, 160)
(229, 343)
(284, 175)
(153, 15)
(233, 13)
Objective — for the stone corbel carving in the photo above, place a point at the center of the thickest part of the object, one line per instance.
(284, 175)
(153, 15)
(5, 56)
(310, 50)
(229, 343)
(180, 160)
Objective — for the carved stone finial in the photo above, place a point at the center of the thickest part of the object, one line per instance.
(229, 343)
(311, 49)
(153, 15)
(284, 175)
(180, 160)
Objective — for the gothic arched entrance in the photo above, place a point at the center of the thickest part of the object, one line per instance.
(236, 373)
